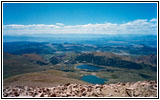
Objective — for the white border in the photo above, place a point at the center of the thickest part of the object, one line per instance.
(82, 1)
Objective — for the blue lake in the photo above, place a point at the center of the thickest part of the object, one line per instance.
(93, 79)
(89, 67)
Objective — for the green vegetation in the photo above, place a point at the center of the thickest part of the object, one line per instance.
(65, 57)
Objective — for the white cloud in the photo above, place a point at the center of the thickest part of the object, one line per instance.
(153, 20)
(60, 24)
(139, 26)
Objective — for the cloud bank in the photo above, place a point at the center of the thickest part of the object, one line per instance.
(139, 26)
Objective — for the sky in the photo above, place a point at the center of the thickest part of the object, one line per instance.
(84, 18)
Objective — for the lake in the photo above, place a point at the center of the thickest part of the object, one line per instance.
(93, 79)
(89, 67)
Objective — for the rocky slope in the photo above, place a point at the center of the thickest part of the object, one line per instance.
(135, 89)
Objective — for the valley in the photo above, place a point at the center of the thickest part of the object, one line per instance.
(105, 59)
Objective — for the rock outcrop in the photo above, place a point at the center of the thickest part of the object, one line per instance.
(134, 89)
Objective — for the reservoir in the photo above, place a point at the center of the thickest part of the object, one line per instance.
(89, 67)
(93, 79)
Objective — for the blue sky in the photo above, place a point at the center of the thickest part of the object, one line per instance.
(77, 17)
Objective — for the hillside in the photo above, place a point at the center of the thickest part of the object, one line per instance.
(19, 64)
(54, 83)
(43, 79)
(116, 68)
